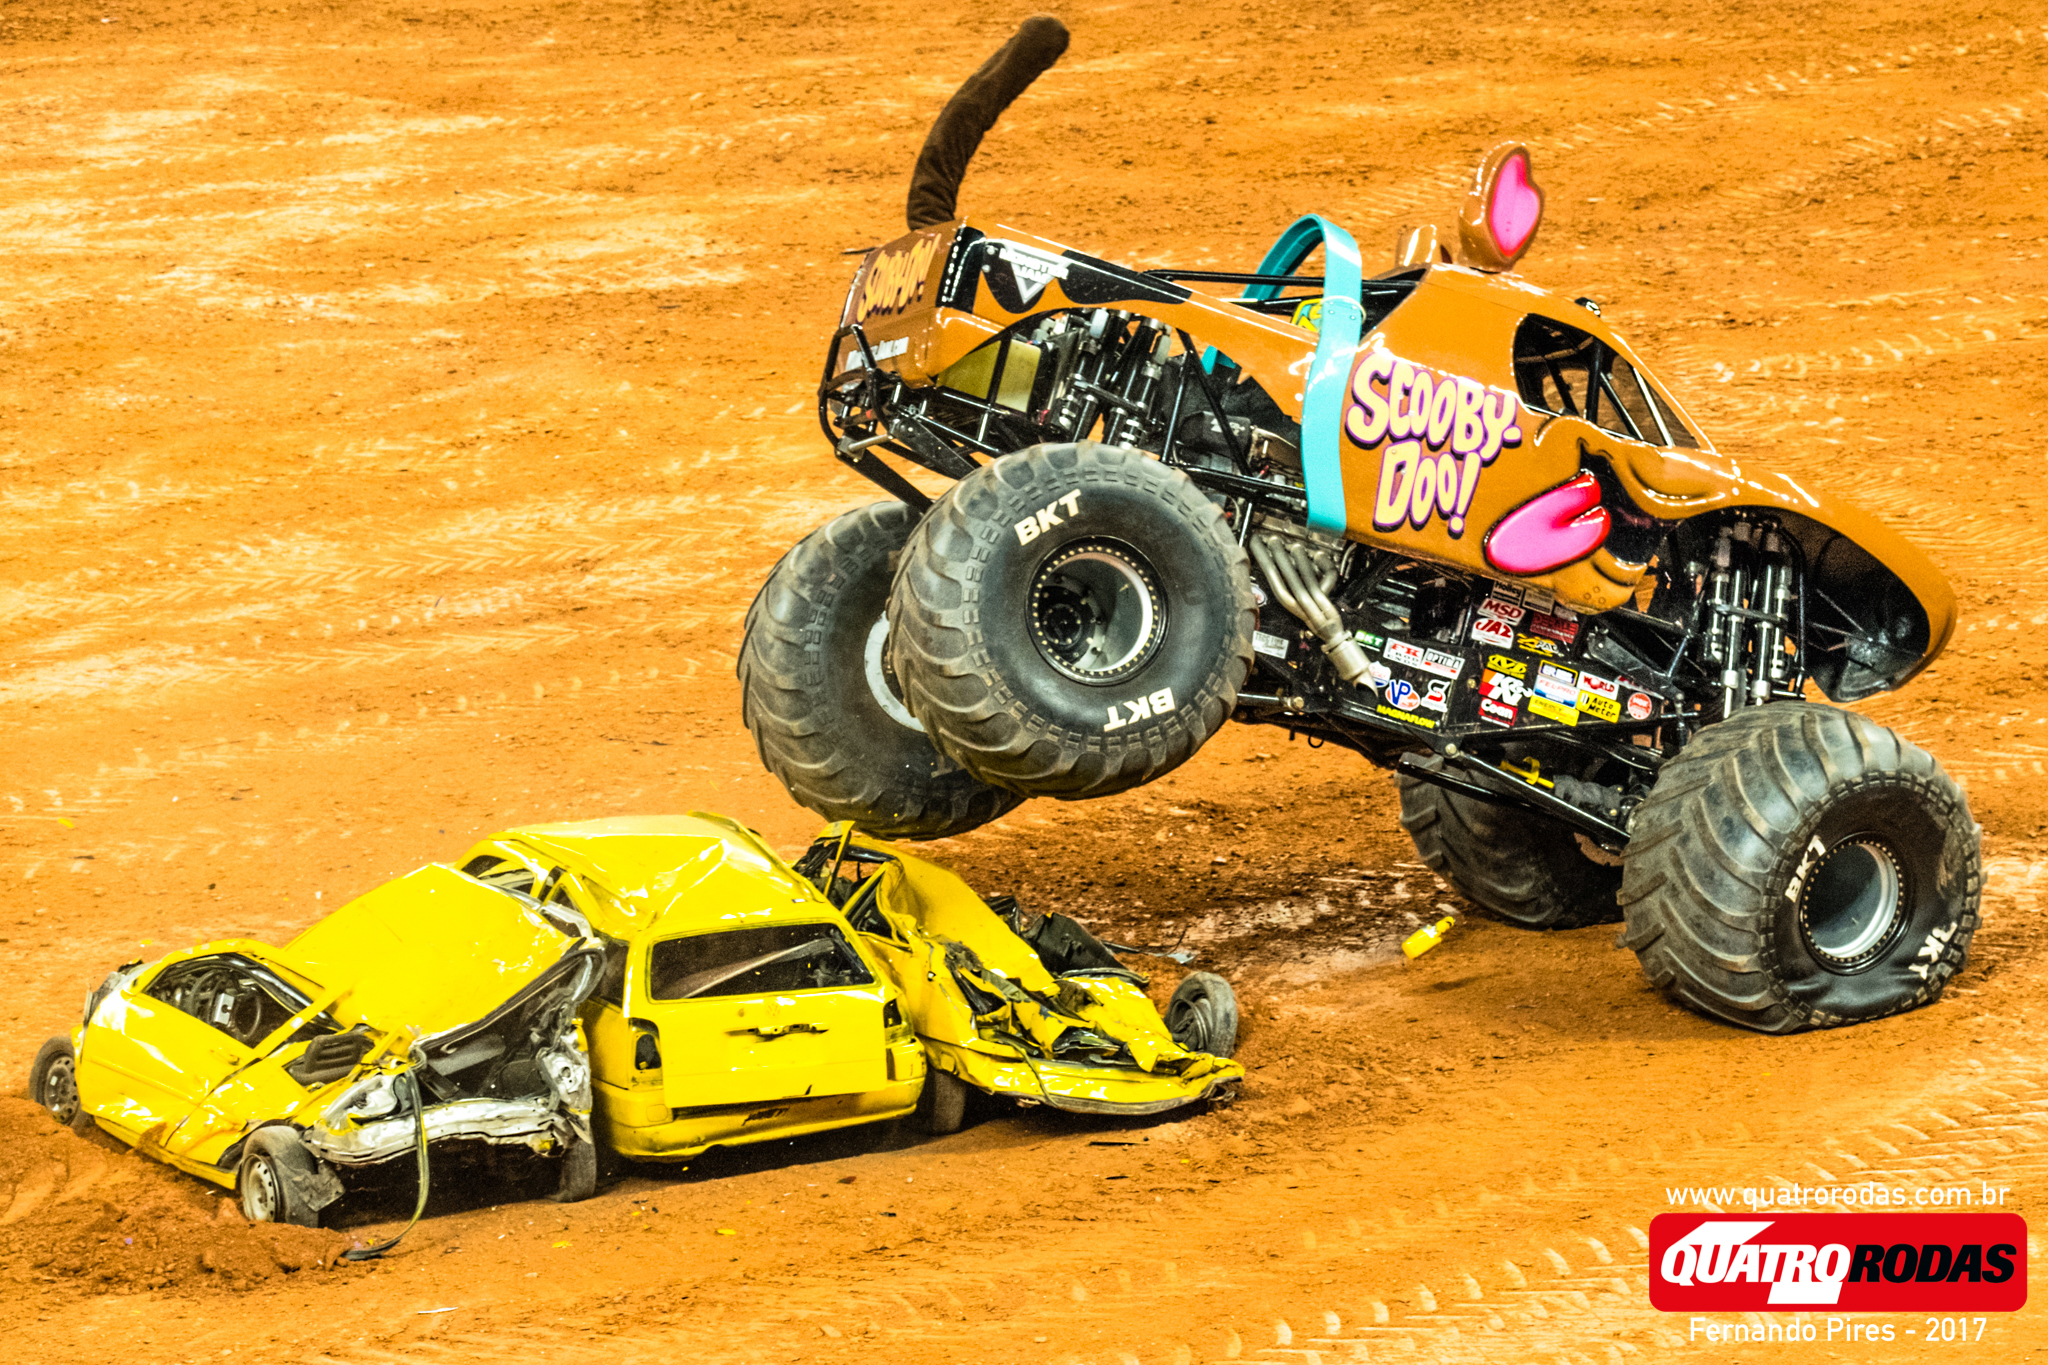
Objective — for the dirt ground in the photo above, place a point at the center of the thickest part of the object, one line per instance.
(402, 402)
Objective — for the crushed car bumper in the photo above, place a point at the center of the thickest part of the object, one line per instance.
(1085, 1089)
(535, 1123)
(684, 1133)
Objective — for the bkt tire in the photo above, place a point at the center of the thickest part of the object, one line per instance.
(1515, 865)
(1798, 867)
(1072, 621)
(817, 694)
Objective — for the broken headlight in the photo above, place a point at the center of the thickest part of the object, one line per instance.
(373, 1097)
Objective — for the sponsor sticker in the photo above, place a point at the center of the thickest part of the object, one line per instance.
(1554, 628)
(1502, 609)
(1368, 640)
(1600, 687)
(1428, 660)
(1501, 687)
(1599, 707)
(1390, 713)
(1498, 712)
(1640, 706)
(1436, 698)
(1839, 1262)
(1501, 663)
(1536, 599)
(1273, 645)
(1550, 710)
(1557, 683)
(1489, 631)
(1535, 644)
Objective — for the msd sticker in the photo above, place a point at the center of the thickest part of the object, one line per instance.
(1839, 1262)
(1503, 609)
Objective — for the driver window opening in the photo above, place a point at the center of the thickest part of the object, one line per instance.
(777, 957)
(235, 996)
(1561, 369)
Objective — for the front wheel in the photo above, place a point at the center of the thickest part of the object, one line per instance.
(53, 1083)
(1799, 866)
(277, 1179)
(942, 1104)
(1072, 620)
(1511, 862)
(577, 1180)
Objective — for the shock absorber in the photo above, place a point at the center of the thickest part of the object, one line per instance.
(1727, 587)
(1771, 668)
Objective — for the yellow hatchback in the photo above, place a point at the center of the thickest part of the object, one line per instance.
(744, 999)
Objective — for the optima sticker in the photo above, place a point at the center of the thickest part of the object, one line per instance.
(1435, 432)
(1428, 660)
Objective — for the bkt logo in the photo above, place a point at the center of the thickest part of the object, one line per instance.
(1844, 1262)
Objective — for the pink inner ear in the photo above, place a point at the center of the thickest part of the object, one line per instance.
(1516, 206)
(1551, 530)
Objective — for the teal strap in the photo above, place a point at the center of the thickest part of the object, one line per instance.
(1322, 407)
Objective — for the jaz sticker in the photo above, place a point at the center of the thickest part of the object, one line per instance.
(1489, 631)
(1144, 708)
(1428, 660)
(1500, 713)
(1435, 432)
(1640, 706)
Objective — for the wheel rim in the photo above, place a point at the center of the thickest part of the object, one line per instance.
(60, 1090)
(1852, 904)
(881, 681)
(1096, 612)
(1191, 1020)
(260, 1194)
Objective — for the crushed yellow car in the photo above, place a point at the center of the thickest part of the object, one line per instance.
(435, 1009)
(745, 999)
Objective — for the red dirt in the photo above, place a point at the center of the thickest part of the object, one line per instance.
(406, 400)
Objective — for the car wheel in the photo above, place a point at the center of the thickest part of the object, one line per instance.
(1798, 866)
(1512, 863)
(1202, 1015)
(942, 1104)
(578, 1179)
(53, 1083)
(276, 1170)
(1072, 620)
(817, 691)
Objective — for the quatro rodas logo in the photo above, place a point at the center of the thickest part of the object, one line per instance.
(1839, 1262)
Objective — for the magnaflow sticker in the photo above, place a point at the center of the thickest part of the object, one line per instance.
(1839, 1262)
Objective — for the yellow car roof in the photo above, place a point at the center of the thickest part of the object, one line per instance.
(429, 951)
(674, 873)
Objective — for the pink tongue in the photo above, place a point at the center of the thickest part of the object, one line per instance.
(1550, 530)
(1515, 205)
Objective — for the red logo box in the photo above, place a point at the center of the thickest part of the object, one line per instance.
(1838, 1263)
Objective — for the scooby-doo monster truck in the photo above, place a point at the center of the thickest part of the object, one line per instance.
(1441, 516)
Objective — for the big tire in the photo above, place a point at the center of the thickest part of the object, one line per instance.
(817, 694)
(53, 1083)
(1515, 865)
(577, 1180)
(1072, 620)
(274, 1182)
(1798, 866)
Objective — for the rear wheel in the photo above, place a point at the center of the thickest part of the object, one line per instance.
(1799, 866)
(823, 705)
(942, 1104)
(1072, 620)
(578, 1178)
(1512, 863)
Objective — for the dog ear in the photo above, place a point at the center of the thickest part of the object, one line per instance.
(935, 184)
(1502, 212)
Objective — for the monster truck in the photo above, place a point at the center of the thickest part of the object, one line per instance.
(1440, 516)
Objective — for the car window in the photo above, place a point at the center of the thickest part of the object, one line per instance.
(1561, 369)
(233, 994)
(501, 872)
(776, 957)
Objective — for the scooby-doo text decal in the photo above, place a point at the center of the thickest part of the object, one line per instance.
(1435, 434)
(896, 280)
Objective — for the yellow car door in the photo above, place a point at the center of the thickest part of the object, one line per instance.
(764, 1012)
(152, 1052)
